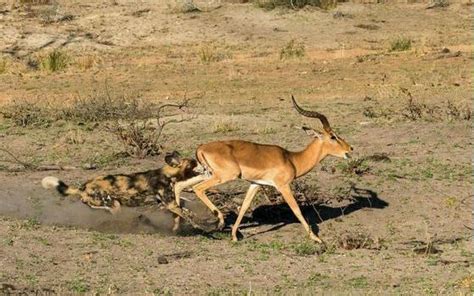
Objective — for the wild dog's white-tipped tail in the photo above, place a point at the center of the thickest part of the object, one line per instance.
(50, 182)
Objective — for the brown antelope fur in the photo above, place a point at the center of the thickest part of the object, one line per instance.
(111, 191)
(263, 165)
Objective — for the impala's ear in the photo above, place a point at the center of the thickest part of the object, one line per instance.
(312, 132)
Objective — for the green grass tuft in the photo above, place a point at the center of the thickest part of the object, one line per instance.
(401, 44)
(55, 61)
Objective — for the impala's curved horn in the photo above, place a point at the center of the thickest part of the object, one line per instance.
(312, 114)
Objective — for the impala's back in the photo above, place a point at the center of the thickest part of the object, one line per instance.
(243, 159)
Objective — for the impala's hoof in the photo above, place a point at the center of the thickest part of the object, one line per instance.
(221, 225)
(315, 238)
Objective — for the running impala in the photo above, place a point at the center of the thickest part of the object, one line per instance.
(262, 164)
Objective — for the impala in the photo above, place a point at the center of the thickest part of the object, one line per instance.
(263, 165)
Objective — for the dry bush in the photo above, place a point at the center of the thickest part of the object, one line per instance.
(97, 107)
(141, 138)
(448, 111)
(295, 4)
(102, 106)
(25, 113)
(414, 109)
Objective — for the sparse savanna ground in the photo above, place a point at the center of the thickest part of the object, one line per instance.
(393, 79)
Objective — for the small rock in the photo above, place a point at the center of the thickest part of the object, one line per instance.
(89, 166)
(162, 260)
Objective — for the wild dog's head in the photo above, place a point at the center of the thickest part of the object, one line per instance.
(173, 158)
(186, 166)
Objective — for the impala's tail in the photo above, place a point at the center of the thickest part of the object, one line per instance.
(63, 189)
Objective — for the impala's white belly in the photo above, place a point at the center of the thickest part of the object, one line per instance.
(263, 182)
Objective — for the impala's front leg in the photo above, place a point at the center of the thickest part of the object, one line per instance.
(245, 205)
(178, 188)
(285, 190)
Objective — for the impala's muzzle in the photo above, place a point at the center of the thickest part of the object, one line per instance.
(347, 154)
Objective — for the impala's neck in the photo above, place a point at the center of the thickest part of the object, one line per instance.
(304, 161)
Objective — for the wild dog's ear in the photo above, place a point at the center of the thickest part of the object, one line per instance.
(173, 158)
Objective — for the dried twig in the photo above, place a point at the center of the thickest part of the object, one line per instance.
(28, 166)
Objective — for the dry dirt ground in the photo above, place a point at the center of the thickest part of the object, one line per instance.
(404, 230)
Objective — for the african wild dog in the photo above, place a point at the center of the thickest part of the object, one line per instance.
(111, 191)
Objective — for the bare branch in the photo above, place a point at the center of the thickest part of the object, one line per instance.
(16, 160)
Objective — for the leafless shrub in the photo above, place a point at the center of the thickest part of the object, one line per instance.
(448, 111)
(458, 111)
(25, 113)
(97, 107)
(295, 4)
(102, 106)
(141, 138)
(414, 109)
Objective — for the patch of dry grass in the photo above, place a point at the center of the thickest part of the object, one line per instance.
(34, 2)
(93, 108)
(293, 49)
(87, 62)
(210, 53)
(3, 66)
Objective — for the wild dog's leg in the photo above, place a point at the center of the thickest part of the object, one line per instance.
(95, 204)
(115, 207)
(253, 189)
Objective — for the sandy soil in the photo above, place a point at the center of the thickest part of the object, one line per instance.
(414, 211)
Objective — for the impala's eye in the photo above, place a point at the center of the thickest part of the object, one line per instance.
(333, 137)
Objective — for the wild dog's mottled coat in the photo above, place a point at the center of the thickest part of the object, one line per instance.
(111, 191)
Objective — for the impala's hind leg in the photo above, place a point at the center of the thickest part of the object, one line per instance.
(200, 190)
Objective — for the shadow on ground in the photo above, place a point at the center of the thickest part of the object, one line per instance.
(280, 214)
